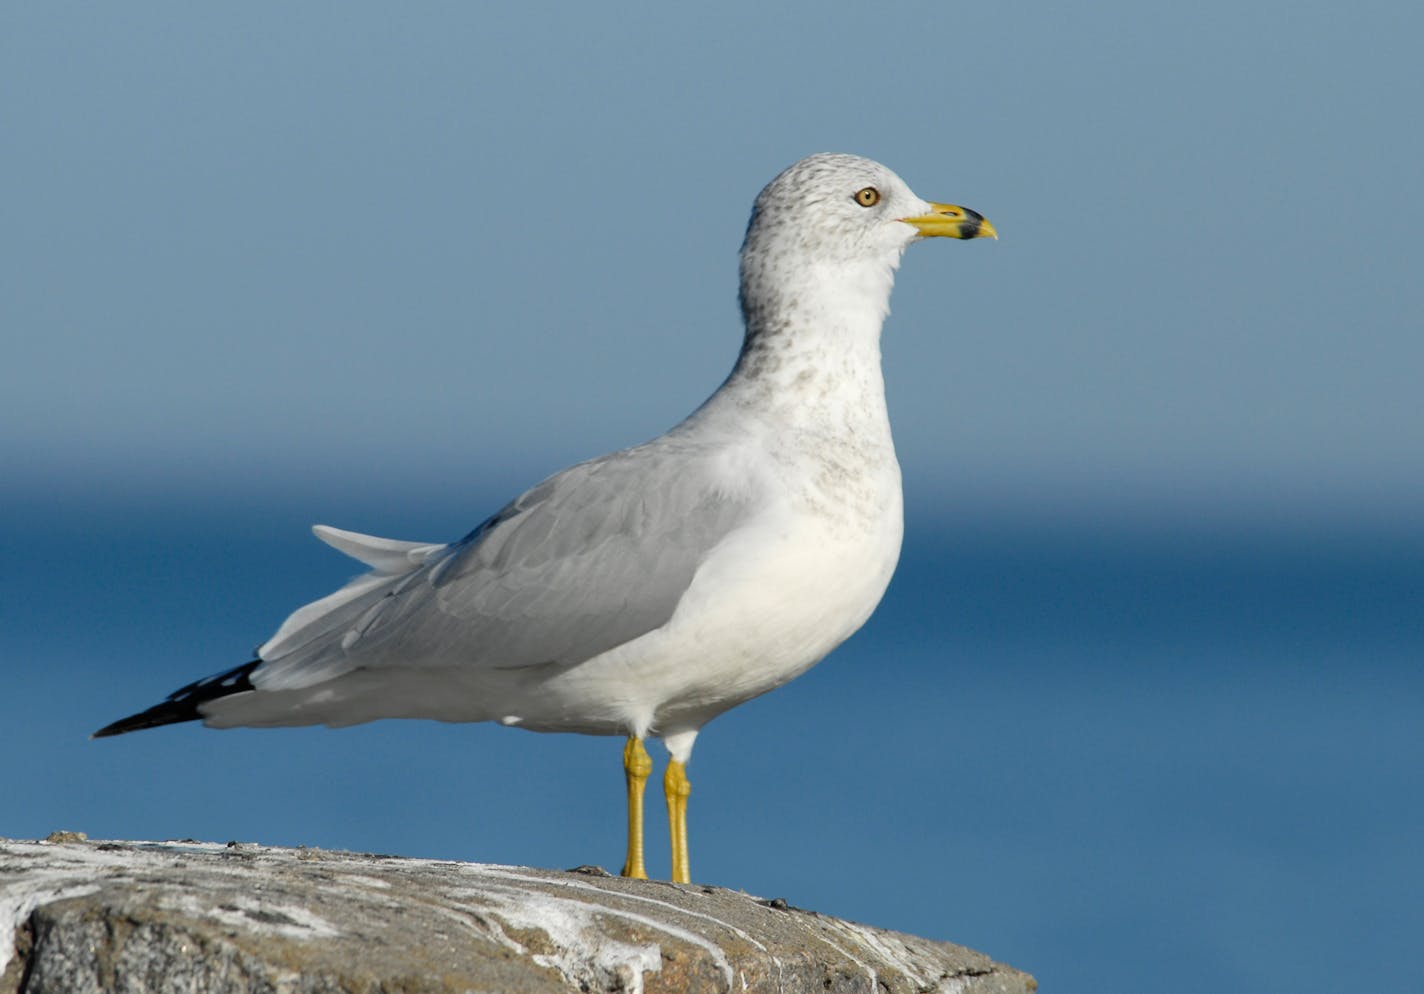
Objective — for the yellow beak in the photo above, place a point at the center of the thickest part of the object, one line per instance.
(950, 221)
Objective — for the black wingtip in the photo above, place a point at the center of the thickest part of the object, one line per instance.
(183, 704)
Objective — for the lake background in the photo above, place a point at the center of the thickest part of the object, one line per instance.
(1141, 709)
(1150, 755)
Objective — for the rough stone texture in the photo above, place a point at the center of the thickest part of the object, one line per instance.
(78, 917)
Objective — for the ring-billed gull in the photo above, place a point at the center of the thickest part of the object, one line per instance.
(645, 592)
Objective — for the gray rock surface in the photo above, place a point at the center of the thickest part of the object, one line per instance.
(79, 917)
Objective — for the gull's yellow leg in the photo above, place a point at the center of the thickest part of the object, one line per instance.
(676, 787)
(636, 766)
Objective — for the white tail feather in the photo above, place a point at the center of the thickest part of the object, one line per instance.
(385, 555)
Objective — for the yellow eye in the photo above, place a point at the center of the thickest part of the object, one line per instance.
(868, 197)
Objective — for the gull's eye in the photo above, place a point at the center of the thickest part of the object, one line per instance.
(868, 197)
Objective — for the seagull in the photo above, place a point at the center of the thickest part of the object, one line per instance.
(645, 592)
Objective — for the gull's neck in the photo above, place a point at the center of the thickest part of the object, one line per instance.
(811, 356)
(808, 392)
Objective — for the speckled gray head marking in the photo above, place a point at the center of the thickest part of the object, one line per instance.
(814, 204)
(828, 213)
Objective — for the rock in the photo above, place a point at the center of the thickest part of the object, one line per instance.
(81, 917)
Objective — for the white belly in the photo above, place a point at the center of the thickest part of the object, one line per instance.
(768, 604)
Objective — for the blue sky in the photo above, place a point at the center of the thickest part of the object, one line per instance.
(265, 246)
(1146, 690)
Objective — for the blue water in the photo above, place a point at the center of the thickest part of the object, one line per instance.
(1138, 757)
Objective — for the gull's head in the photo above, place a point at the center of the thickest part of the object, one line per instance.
(840, 219)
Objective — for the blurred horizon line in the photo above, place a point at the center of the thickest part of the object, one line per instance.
(395, 497)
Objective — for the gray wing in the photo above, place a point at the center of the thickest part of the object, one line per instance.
(591, 558)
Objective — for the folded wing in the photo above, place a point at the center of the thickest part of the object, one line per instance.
(589, 559)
